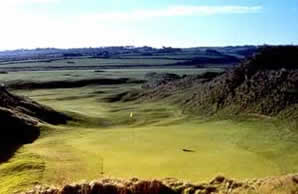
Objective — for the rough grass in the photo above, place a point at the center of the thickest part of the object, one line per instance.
(92, 62)
(22, 171)
(106, 141)
(75, 75)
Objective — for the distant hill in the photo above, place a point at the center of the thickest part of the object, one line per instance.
(205, 55)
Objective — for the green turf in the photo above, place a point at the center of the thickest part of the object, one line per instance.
(93, 62)
(21, 172)
(150, 144)
(91, 74)
(108, 142)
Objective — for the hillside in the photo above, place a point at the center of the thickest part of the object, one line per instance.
(265, 84)
(19, 119)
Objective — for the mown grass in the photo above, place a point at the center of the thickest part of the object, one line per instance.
(106, 141)
(44, 76)
(90, 63)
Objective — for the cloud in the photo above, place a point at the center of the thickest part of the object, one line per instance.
(176, 11)
(27, 29)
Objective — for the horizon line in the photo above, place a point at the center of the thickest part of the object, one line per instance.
(92, 47)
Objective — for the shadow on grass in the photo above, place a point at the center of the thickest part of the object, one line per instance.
(7, 151)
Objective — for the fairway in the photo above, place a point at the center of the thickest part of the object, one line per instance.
(107, 141)
(86, 64)
(62, 75)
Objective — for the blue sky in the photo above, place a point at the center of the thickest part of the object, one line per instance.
(177, 23)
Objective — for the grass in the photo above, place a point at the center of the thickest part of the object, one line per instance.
(108, 142)
(22, 171)
(91, 74)
(92, 62)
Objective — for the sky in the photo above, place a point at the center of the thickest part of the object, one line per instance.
(157, 23)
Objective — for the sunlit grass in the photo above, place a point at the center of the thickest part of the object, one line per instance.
(108, 141)
(150, 145)
(22, 171)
